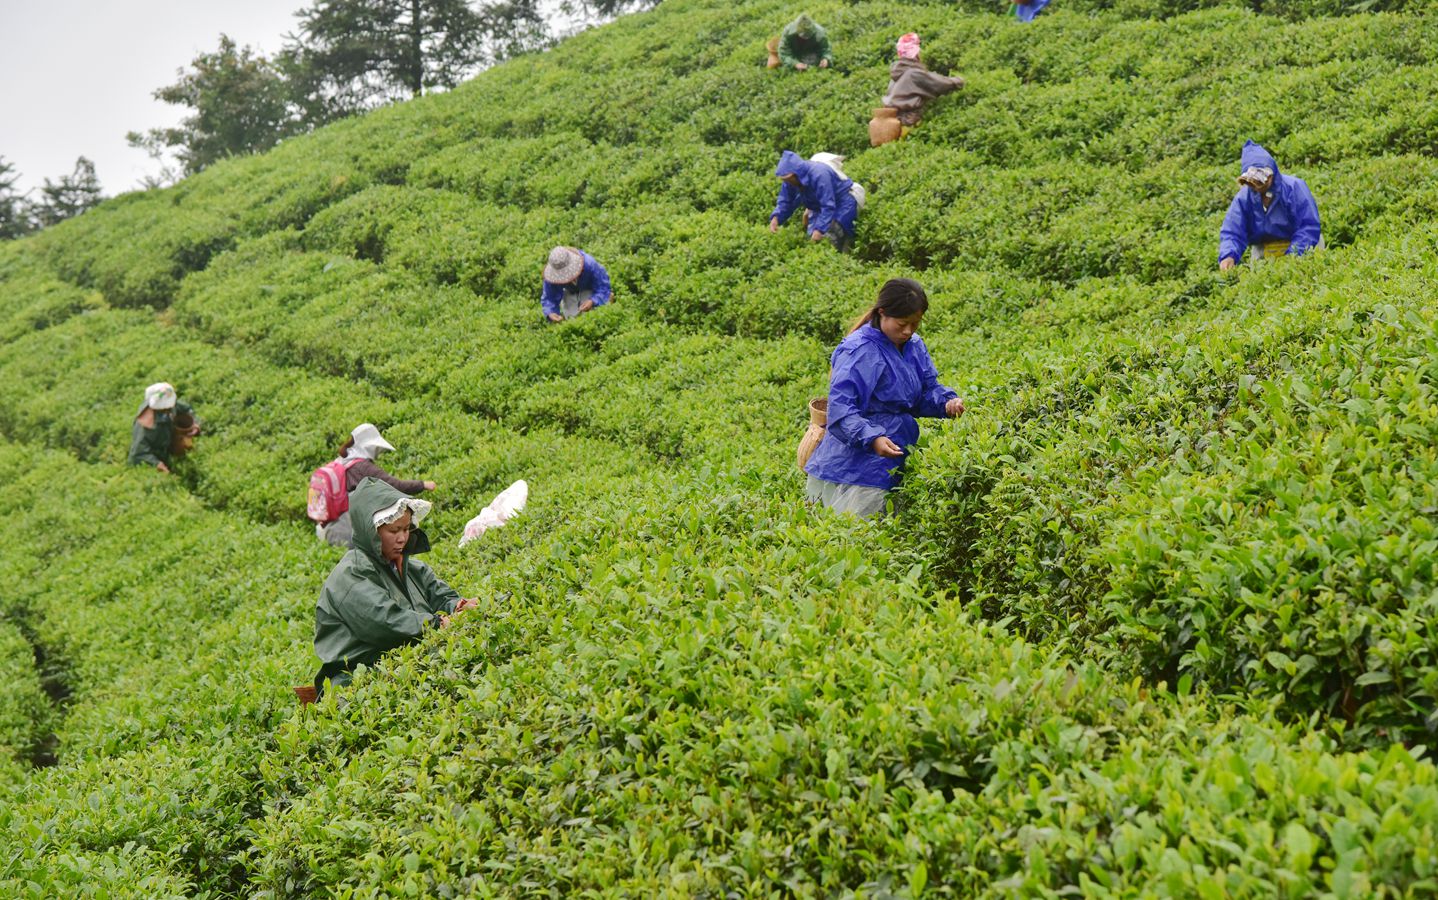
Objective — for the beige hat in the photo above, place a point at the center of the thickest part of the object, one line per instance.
(565, 264)
(367, 441)
(160, 395)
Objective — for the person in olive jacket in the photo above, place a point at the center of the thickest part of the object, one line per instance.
(152, 436)
(378, 597)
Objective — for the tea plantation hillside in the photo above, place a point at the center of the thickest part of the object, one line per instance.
(1155, 618)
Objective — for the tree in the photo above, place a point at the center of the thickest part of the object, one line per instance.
(70, 196)
(351, 55)
(15, 214)
(606, 9)
(354, 54)
(241, 104)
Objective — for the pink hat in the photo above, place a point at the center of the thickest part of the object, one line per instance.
(908, 46)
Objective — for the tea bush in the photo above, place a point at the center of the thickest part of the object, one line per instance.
(1152, 619)
(1218, 452)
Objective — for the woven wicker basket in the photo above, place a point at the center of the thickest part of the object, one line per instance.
(818, 418)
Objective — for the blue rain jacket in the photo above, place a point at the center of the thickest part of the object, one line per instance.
(1025, 12)
(875, 389)
(1292, 216)
(592, 277)
(821, 190)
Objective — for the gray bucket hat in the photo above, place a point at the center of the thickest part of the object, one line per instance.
(565, 264)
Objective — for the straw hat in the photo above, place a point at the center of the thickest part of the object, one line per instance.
(564, 266)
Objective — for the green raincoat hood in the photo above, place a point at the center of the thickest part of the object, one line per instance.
(366, 606)
(370, 497)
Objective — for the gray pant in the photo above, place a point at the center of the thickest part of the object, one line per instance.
(338, 533)
(571, 301)
(861, 500)
(842, 240)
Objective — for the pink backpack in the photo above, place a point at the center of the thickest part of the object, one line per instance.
(328, 499)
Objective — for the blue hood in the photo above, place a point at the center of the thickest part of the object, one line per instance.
(790, 163)
(1254, 155)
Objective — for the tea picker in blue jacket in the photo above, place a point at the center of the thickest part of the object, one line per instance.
(1025, 12)
(825, 194)
(1273, 213)
(881, 379)
(574, 283)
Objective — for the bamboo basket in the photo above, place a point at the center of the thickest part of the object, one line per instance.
(818, 418)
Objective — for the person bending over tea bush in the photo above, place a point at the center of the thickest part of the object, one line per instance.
(1273, 213)
(378, 597)
(802, 44)
(1025, 12)
(881, 378)
(911, 84)
(164, 428)
(356, 462)
(574, 283)
(827, 196)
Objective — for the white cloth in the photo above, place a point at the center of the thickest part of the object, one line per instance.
(418, 509)
(500, 510)
(367, 443)
(160, 395)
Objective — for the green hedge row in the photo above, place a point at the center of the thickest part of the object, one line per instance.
(1240, 497)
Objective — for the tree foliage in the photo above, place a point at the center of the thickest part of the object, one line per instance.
(72, 195)
(353, 54)
(240, 103)
(15, 216)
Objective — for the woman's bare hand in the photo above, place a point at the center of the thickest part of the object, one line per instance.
(887, 448)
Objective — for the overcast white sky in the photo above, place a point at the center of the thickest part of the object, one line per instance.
(76, 75)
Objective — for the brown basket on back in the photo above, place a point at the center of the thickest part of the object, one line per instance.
(818, 419)
(182, 434)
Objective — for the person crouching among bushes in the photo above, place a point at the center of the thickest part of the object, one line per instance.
(378, 597)
(357, 457)
(574, 283)
(881, 379)
(911, 84)
(826, 196)
(1273, 213)
(164, 428)
(1026, 12)
(803, 43)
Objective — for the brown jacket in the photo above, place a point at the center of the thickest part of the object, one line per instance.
(364, 468)
(911, 86)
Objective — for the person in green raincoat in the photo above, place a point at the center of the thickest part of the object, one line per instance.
(378, 597)
(160, 420)
(803, 43)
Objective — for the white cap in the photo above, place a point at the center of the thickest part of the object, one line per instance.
(160, 395)
(368, 441)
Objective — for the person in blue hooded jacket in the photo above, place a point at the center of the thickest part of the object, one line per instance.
(881, 379)
(1025, 12)
(574, 283)
(826, 196)
(1272, 212)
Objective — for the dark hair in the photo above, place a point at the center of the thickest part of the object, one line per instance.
(899, 298)
(345, 447)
